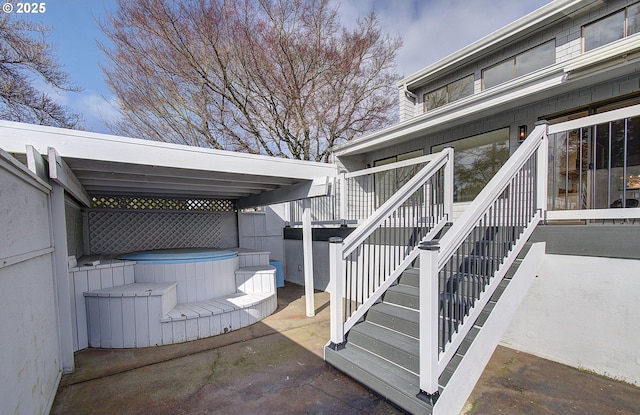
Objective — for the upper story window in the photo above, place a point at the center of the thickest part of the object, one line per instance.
(521, 64)
(611, 28)
(449, 93)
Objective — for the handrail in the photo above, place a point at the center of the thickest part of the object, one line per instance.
(591, 120)
(459, 273)
(367, 262)
(465, 223)
(382, 213)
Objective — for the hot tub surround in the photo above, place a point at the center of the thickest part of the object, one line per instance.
(200, 274)
(122, 303)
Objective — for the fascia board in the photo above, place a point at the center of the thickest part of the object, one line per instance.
(103, 147)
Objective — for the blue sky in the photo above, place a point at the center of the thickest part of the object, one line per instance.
(430, 29)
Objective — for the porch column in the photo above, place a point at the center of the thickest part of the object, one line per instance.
(307, 253)
(61, 276)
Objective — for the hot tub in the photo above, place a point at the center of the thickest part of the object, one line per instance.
(177, 256)
(200, 274)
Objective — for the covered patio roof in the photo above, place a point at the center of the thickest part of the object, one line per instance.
(107, 165)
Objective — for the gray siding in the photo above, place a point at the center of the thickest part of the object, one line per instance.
(567, 34)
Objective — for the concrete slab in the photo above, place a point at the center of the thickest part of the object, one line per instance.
(276, 367)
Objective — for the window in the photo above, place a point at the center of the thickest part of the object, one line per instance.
(476, 160)
(449, 93)
(521, 64)
(624, 23)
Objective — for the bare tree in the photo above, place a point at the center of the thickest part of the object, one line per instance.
(276, 77)
(26, 60)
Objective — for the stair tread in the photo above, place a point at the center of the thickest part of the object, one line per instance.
(390, 338)
(404, 289)
(395, 346)
(394, 310)
(382, 376)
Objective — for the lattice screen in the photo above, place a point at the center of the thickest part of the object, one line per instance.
(152, 203)
(120, 231)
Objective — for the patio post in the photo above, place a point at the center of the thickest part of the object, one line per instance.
(307, 253)
(337, 288)
(61, 275)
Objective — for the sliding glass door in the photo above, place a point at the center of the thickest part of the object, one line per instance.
(595, 167)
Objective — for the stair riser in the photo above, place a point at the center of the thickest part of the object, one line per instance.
(404, 358)
(408, 327)
(410, 277)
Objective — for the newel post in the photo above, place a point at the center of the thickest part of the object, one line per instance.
(337, 292)
(429, 297)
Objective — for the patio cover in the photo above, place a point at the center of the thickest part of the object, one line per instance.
(106, 165)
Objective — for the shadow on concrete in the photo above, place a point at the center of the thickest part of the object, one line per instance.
(275, 366)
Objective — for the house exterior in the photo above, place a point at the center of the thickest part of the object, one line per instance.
(503, 207)
(567, 74)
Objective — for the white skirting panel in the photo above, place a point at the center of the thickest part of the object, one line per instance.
(204, 319)
(197, 281)
(128, 315)
(253, 259)
(260, 279)
(89, 278)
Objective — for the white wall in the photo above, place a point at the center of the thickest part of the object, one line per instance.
(294, 263)
(583, 312)
(30, 365)
(262, 230)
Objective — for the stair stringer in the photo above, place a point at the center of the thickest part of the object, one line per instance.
(466, 375)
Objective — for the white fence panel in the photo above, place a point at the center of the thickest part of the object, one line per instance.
(29, 342)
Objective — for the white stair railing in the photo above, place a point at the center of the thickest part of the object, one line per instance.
(369, 260)
(460, 272)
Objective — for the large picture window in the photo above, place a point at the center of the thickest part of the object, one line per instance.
(616, 26)
(476, 160)
(521, 64)
(449, 93)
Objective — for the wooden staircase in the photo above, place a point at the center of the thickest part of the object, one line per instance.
(382, 350)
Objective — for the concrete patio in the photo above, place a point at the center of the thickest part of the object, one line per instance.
(276, 367)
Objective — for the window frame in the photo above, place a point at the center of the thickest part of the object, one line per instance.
(447, 93)
(625, 26)
(514, 60)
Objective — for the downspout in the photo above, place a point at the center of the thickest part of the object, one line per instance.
(408, 93)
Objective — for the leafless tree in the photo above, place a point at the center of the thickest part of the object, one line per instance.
(26, 63)
(276, 77)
